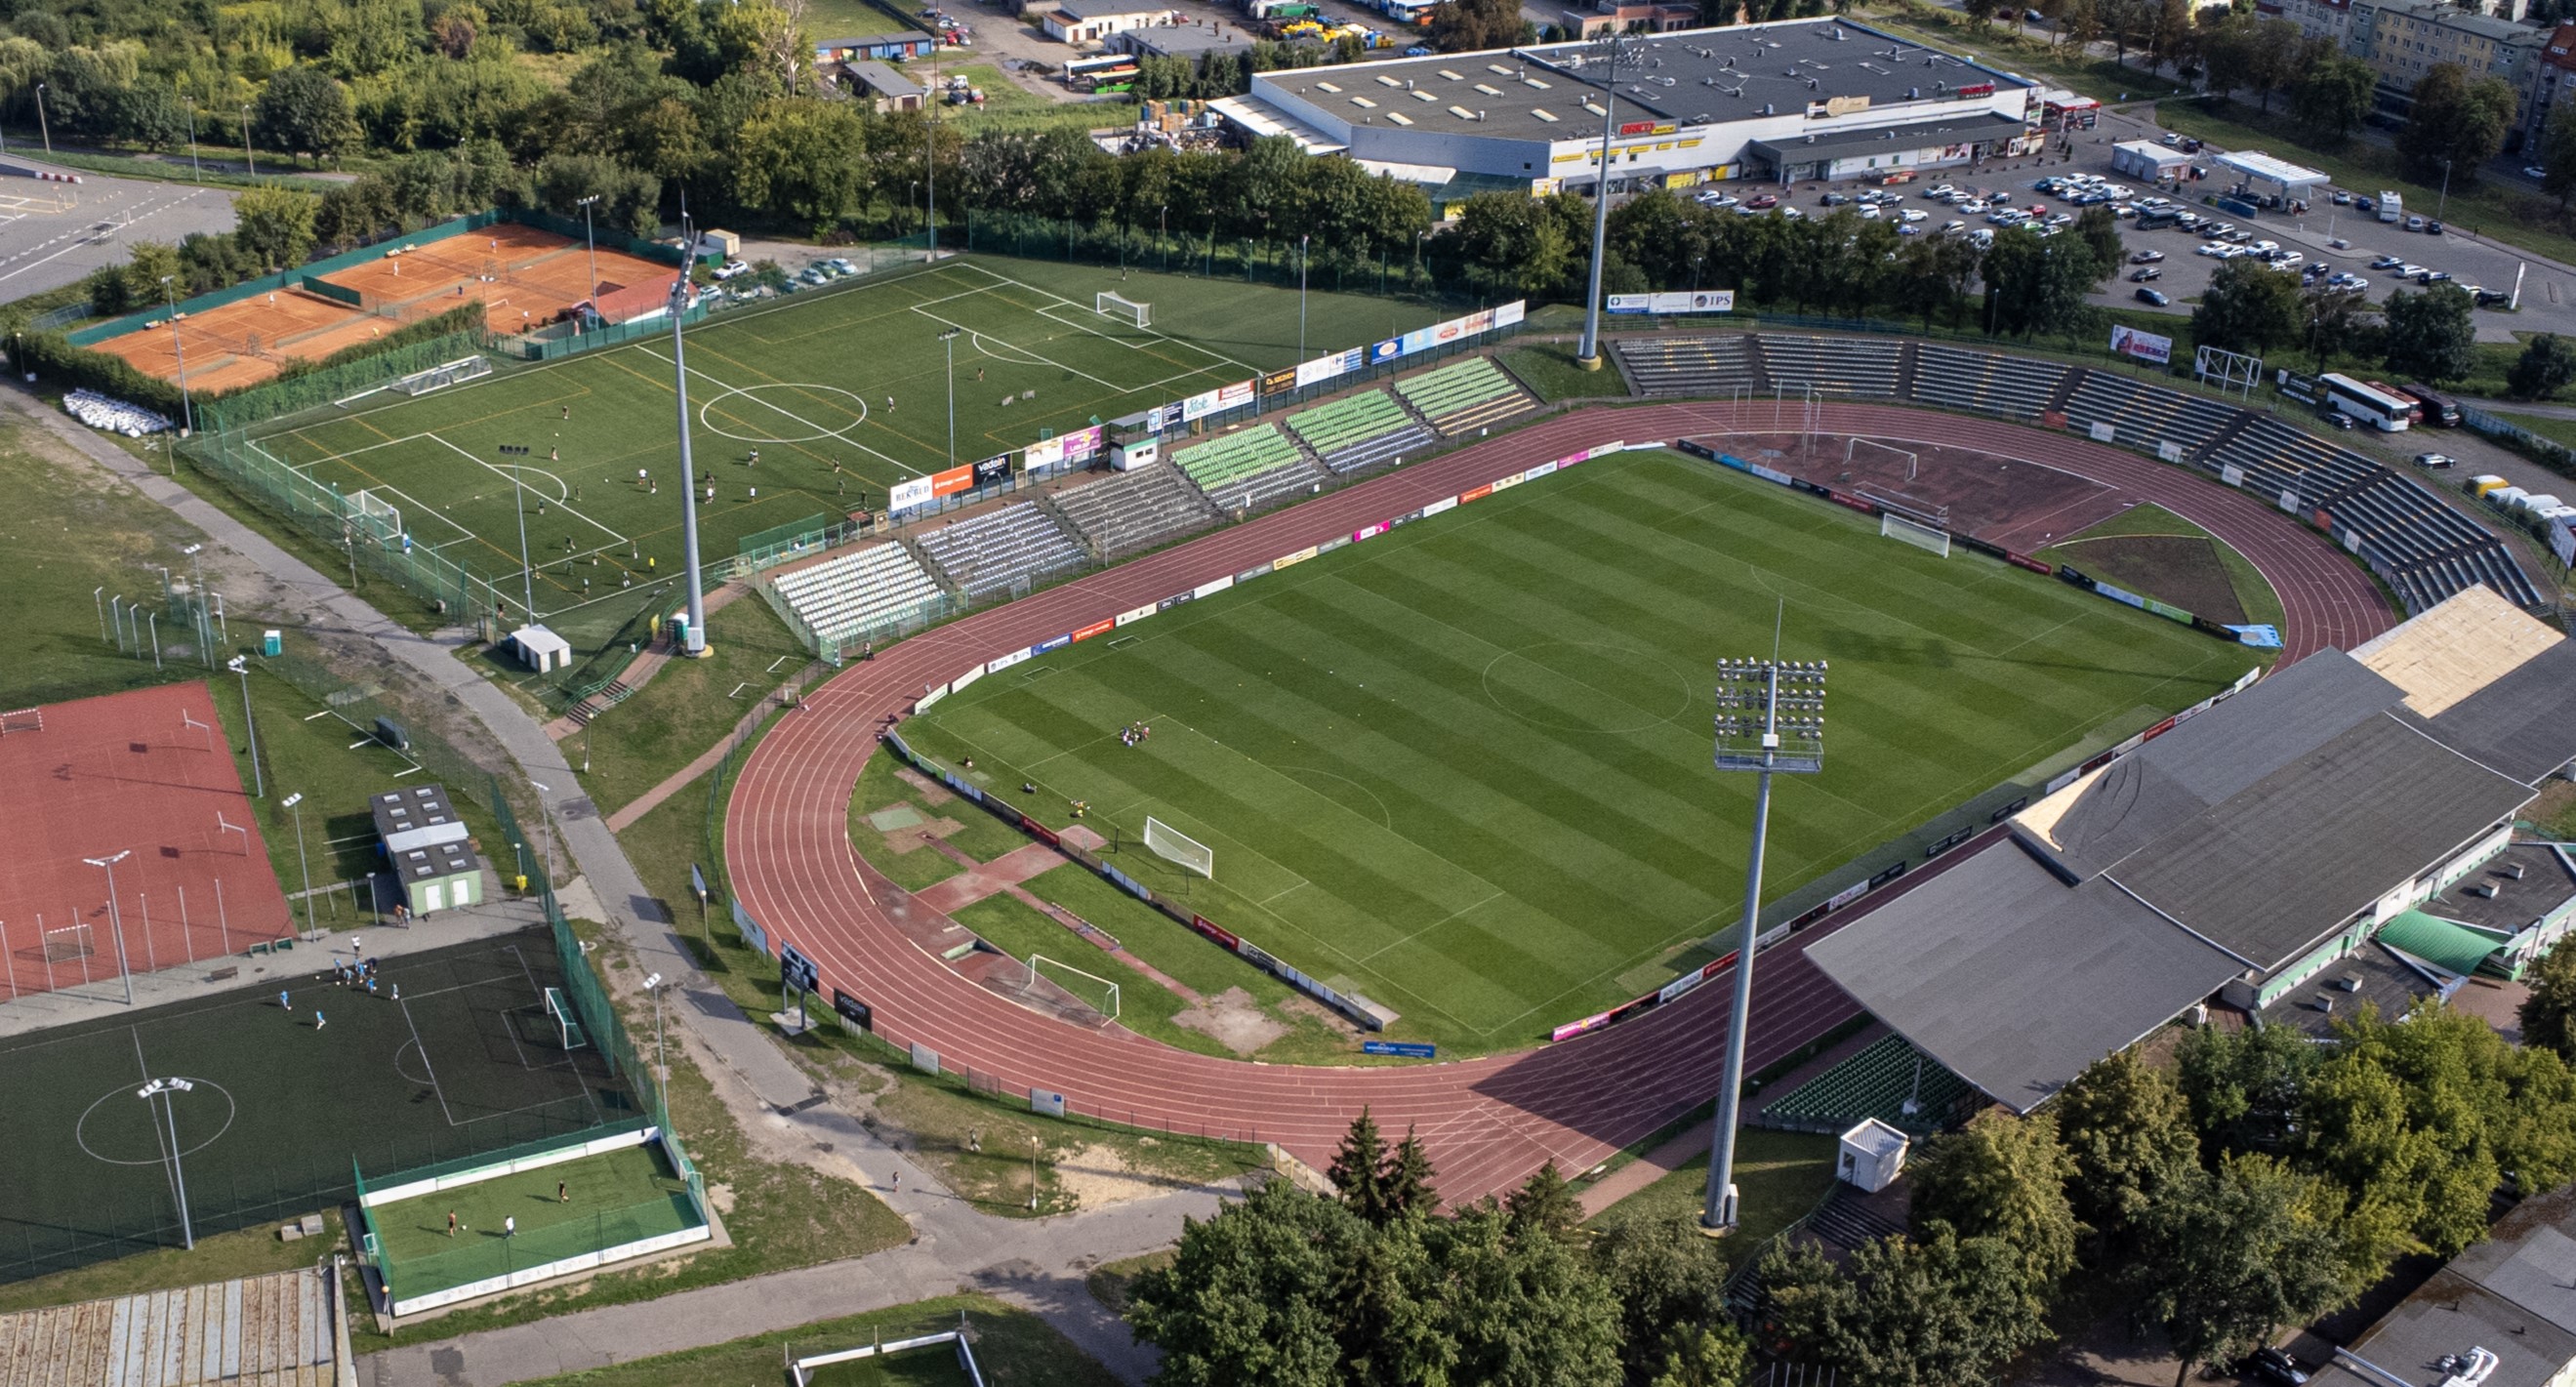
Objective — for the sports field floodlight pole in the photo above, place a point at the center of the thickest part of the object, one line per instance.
(116, 918)
(1770, 720)
(592, 241)
(1590, 357)
(187, 402)
(294, 802)
(661, 1062)
(948, 340)
(240, 665)
(1301, 298)
(527, 570)
(41, 124)
(696, 643)
(165, 1089)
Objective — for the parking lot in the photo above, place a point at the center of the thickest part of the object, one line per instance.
(53, 234)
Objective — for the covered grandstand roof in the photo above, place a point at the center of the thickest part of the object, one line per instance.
(2519, 724)
(2014, 981)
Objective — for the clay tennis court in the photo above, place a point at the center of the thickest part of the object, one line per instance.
(524, 277)
(149, 774)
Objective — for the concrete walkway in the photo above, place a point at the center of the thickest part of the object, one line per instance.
(1036, 1266)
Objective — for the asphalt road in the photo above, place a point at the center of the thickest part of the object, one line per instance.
(52, 234)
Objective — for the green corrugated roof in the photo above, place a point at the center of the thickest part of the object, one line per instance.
(2439, 942)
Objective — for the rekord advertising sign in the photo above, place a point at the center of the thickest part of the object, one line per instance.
(908, 494)
(2143, 346)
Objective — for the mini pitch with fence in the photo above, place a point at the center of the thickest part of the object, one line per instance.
(1464, 768)
(562, 1211)
(467, 1062)
(842, 393)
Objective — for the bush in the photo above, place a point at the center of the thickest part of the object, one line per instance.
(58, 365)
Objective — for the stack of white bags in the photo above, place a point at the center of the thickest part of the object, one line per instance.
(114, 415)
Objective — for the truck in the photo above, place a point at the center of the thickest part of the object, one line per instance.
(2392, 208)
(1282, 10)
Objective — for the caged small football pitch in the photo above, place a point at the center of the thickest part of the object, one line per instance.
(842, 393)
(468, 1061)
(1463, 768)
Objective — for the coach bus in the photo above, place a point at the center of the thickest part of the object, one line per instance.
(2414, 407)
(2440, 410)
(2379, 408)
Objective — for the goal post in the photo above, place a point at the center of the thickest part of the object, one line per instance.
(1121, 307)
(567, 1027)
(1096, 992)
(375, 517)
(1904, 531)
(1165, 841)
(67, 944)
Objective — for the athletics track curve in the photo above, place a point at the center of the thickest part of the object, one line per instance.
(1489, 1122)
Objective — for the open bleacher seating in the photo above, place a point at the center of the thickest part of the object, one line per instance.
(1464, 396)
(1135, 510)
(2014, 386)
(999, 549)
(866, 590)
(1248, 468)
(1859, 366)
(1361, 432)
(1717, 366)
(2143, 415)
(1879, 1082)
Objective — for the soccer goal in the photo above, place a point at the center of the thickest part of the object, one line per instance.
(443, 375)
(1904, 531)
(376, 518)
(1166, 841)
(1117, 306)
(1913, 460)
(568, 1027)
(1091, 989)
(68, 944)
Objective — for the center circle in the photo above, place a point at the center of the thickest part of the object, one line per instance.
(127, 1135)
(1587, 686)
(799, 412)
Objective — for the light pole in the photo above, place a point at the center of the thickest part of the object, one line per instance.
(1590, 357)
(527, 570)
(197, 169)
(1301, 298)
(1770, 720)
(912, 201)
(546, 821)
(166, 1090)
(948, 340)
(46, 129)
(661, 1060)
(187, 402)
(592, 241)
(116, 918)
(248, 156)
(258, 783)
(294, 802)
(2445, 200)
(696, 643)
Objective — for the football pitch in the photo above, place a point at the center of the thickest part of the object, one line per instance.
(588, 1205)
(842, 393)
(1464, 768)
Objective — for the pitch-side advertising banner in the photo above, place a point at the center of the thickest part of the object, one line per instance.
(2145, 346)
(1712, 301)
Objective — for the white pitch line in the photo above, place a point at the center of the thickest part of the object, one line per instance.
(907, 470)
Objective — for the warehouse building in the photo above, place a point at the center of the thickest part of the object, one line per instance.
(428, 848)
(1801, 99)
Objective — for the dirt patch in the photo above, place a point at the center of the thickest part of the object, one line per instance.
(1098, 1175)
(903, 840)
(1233, 1020)
(1078, 836)
(2183, 570)
(931, 791)
(2017, 504)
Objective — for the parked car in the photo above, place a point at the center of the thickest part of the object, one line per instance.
(2142, 276)
(2491, 298)
(1418, 51)
(2216, 250)
(2435, 460)
(2274, 1366)
(1835, 199)
(2433, 277)
(1912, 214)
(2342, 198)
(2339, 419)
(1973, 206)
(1763, 202)
(730, 268)
(2146, 257)
(1953, 227)
(1718, 200)
(2415, 221)
(2534, 171)
(1941, 190)
(2432, 228)
(2387, 262)
(2151, 297)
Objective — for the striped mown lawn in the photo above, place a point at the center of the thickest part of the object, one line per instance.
(1463, 767)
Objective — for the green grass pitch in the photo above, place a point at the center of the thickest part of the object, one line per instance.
(614, 1198)
(843, 392)
(1463, 768)
(466, 1062)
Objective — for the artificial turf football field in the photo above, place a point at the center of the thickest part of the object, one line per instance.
(1464, 768)
(852, 378)
(589, 1205)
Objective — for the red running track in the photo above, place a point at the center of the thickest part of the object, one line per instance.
(1490, 1122)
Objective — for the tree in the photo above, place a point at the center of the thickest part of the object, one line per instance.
(1405, 1183)
(1905, 1314)
(1667, 1280)
(2099, 229)
(2455, 124)
(2243, 1086)
(2430, 335)
(1358, 1170)
(275, 225)
(305, 111)
(1461, 26)
(2128, 1130)
(1546, 1203)
(2249, 307)
(802, 160)
(2332, 95)
(2558, 155)
(1523, 1309)
(1249, 1296)
(2037, 284)
(2227, 1258)
(1714, 1355)
(2338, 323)
(147, 262)
(1387, 1305)
(2548, 1015)
(2002, 1177)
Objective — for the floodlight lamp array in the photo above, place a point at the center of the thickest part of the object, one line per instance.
(1771, 715)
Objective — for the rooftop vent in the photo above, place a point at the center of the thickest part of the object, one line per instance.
(2349, 982)
(2511, 872)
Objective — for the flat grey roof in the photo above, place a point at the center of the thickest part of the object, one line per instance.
(2522, 724)
(2287, 861)
(2546, 884)
(882, 79)
(2387, 982)
(2513, 1295)
(1700, 76)
(1185, 40)
(2013, 981)
(1855, 144)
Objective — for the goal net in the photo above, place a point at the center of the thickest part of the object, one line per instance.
(375, 517)
(1904, 531)
(1090, 989)
(567, 1027)
(1117, 306)
(441, 376)
(1168, 842)
(67, 944)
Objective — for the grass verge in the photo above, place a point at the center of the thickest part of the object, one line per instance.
(1550, 369)
(221, 1257)
(2254, 593)
(1779, 1176)
(688, 706)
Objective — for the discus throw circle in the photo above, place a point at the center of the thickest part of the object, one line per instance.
(119, 1133)
(787, 410)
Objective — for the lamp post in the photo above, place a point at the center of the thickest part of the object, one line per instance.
(592, 241)
(1589, 358)
(166, 1090)
(295, 802)
(1770, 720)
(198, 170)
(948, 341)
(187, 402)
(248, 156)
(42, 126)
(696, 643)
(116, 918)
(546, 821)
(1301, 298)
(2444, 201)
(527, 570)
(912, 201)
(258, 783)
(661, 1062)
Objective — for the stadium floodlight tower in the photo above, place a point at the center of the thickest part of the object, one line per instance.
(696, 643)
(1608, 52)
(1770, 721)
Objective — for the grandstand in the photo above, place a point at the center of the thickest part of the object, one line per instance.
(998, 550)
(1248, 469)
(2012, 386)
(2143, 415)
(1359, 432)
(1718, 366)
(856, 595)
(1464, 396)
(1135, 510)
(1889, 1080)
(1855, 366)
